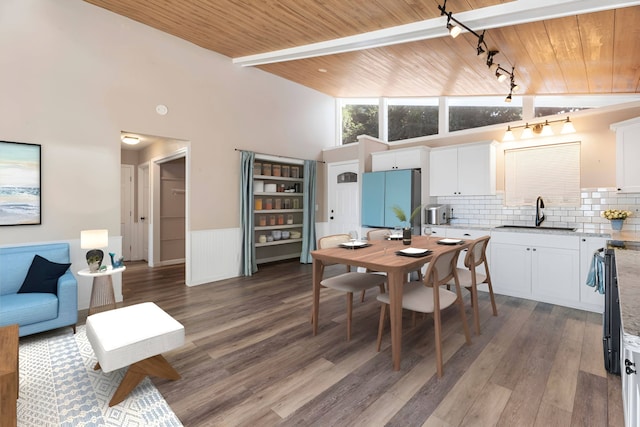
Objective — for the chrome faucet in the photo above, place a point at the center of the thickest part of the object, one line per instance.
(539, 214)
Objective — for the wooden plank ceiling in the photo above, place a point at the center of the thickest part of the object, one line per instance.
(594, 53)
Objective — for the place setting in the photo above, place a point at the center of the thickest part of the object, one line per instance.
(354, 242)
(450, 242)
(414, 252)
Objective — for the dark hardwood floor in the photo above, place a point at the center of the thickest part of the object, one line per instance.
(250, 359)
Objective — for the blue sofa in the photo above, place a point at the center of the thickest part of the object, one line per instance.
(36, 312)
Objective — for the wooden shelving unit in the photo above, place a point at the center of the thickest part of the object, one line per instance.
(288, 217)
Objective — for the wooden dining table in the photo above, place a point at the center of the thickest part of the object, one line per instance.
(380, 256)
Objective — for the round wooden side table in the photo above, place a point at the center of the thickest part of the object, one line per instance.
(102, 295)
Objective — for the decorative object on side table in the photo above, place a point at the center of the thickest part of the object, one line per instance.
(116, 262)
(93, 240)
(406, 228)
(616, 217)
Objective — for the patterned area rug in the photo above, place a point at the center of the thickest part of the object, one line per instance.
(58, 387)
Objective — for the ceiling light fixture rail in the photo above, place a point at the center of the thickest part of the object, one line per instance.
(482, 50)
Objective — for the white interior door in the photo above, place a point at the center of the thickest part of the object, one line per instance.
(343, 198)
(126, 209)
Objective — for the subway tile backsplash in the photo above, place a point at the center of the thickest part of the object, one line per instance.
(489, 210)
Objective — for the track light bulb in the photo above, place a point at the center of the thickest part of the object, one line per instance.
(508, 98)
(501, 77)
(455, 31)
(515, 88)
(493, 67)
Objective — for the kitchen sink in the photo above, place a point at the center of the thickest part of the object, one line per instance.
(533, 227)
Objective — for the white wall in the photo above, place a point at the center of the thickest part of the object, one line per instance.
(74, 76)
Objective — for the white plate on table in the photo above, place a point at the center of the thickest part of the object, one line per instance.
(414, 252)
(450, 241)
(354, 245)
(395, 237)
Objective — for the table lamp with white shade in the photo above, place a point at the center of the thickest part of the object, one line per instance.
(93, 240)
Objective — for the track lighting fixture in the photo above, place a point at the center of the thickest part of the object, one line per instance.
(513, 87)
(542, 128)
(482, 52)
(455, 28)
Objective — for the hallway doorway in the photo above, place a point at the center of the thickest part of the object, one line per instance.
(159, 233)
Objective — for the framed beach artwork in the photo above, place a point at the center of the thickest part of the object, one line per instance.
(20, 181)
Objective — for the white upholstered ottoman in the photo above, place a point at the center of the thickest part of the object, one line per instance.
(134, 335)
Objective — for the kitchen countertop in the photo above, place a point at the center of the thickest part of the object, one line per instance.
(578, 232)
(628, 272)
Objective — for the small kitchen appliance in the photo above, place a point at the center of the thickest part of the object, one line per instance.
(437, 214)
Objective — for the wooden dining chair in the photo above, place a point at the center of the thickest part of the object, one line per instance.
(429, 296)
(470, 278)
(350, 282)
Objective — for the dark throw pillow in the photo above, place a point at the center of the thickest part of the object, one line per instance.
(43, 276)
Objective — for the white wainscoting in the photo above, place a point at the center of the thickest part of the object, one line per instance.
(215, 255)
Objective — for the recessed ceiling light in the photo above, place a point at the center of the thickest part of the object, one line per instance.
(322, 70)
(131, 140)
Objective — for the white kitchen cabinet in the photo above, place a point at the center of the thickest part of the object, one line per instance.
(511, 269)
(555, 273)
(406, 158)
(467, 170)
(627, 155)
(591, 299)
(542, 267)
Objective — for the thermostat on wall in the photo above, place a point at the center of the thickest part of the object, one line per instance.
(161, 109)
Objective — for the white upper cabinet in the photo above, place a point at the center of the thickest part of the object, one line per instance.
(466, 170)
(406, 158)
(627, 155)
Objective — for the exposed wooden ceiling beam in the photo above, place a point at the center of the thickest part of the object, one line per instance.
(506, 14)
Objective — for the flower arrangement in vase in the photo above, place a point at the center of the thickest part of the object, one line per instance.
(616, 217)
(406, 223)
